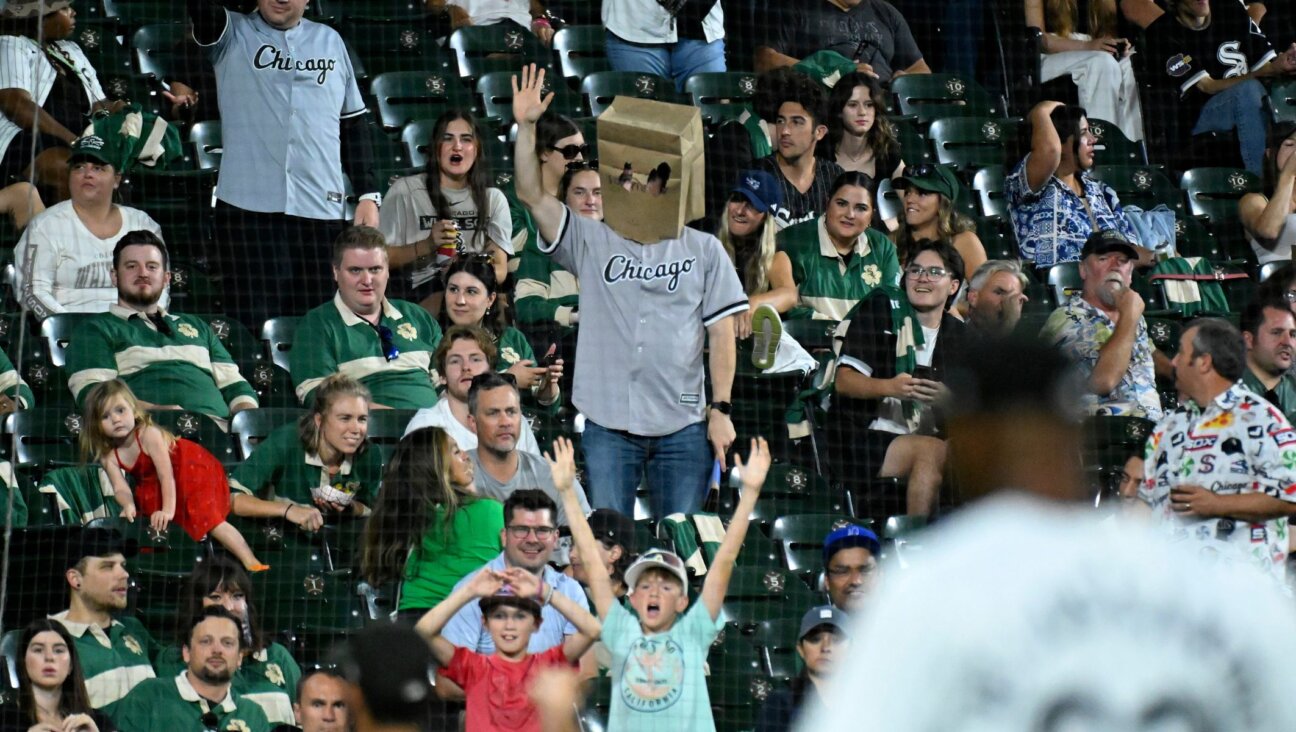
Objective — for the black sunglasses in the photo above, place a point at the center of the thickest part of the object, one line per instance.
(510, 378)
(390, 351)
(210, 721)
(579, 165)
(921, 170)
(569, 152)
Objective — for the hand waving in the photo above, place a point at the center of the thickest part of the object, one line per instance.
(563, 464)
(486, 583)
(754, 470)
(528, 103)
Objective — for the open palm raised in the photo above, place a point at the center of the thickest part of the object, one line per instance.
(529, 100)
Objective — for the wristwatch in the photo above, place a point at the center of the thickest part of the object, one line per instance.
(724, 408)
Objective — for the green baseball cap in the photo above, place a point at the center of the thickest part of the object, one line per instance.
(930, 177)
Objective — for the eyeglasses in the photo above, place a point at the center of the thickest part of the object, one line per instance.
(569, 152)
(390, 351)
(933, 273)
(579, 165)
(543, 533)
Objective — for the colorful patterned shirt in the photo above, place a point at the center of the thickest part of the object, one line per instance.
(1238, 444)
(1052, 224)
(1081, 330)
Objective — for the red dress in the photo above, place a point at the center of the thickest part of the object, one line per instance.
(202, 488)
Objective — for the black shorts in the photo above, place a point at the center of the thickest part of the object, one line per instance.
(857, 452)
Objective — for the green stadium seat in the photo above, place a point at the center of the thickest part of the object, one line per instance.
(404, 96)
(602, 87)
(1164, 333)
(132, 14)
(57, 330)
(736, 700)
(385, 45)
(1063, 281)
(757, 550)
(813, 335)
(197, 428)
(932, 96)
(581, 51)
(890, 207)
(1214, 193)
(496, 92)
(98, 39)
(251, 426)
(901, 536)
(972, 142)
(988, 184)
(42, 438)
(277, 335)
(998, 238)
(731, 654)
(1142, 186)
(1112, 147)
(776, 642)
(47, 381)
(386, 426)
(722, 96)
(206, 139)
(316, 607)
(1193, 239)
(483, 49)
(757, 594)
(1282, 95)
(802, 537)
(914, 146)
(164, 50)
(1109, 439)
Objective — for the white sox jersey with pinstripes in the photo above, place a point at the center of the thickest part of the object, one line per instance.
(24, 66)
(644, 311)
(282, 96)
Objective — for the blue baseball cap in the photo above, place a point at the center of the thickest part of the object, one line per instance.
(850, 536)
(761, 188)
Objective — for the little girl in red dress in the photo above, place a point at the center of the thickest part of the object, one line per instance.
(175, 479)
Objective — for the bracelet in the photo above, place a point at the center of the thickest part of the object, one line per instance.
(286, 510)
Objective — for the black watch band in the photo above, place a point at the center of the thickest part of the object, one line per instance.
(725, 408)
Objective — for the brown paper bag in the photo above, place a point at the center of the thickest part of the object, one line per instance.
(651, 136)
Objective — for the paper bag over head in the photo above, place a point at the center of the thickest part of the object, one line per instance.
(654, 140)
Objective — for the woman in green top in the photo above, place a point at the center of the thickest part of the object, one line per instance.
(268, 674)
(324, 464)
(472, 298)
(429, 528)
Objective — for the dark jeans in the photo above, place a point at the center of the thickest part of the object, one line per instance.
(273, 264)
(675, 466)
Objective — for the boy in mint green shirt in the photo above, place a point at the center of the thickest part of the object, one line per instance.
(657, 658)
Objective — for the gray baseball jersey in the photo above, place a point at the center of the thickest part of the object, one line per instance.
(282, 94)
(644, 313)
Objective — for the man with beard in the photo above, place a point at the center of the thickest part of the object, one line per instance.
(499, 467)
(1269, 330)
(169, 361)
(200, 696)
(1102, 330)
(114, 653)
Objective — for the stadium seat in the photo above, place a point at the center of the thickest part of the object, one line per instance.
(1063, 281)
(132, 14)
(404, 96)
(1193, 239)
(1142, 186)
(890, 207)
(598, 701)
(731, 654)
(1109, 439)
(722, 96)
(354, 10)
(757, 594)
(736, 700)
(165, 51)
(802, 537)
(1112, 147)
(972, 142)
(901, 536)
(197, 428)
(813, 335)
(761, 401)
(386, 426)
(76, 494)
(496, 92)
(483, 49)
(387, 45)
(602, 87)
(581, 51)
(775, 642)
(251, 426)
(205, 137)
(47, 381)
(57, 330)
(1164, 333)
(758, 550)
(277, 335)
(790, 489)
(316, 607)
(1268, 269)
(914, 146)
(1214, 193)
(932, 96)
(998, 238)
(988, 184)
(1282, 95)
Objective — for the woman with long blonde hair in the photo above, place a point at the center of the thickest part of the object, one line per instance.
(1097, 61)
(748, 236)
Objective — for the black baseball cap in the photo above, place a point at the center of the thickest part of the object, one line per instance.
(99, 542)
(1108, 240)
(391, 665)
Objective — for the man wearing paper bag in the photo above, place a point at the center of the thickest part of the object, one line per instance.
(652, 293)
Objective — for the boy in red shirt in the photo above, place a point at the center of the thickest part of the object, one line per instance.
(496, 685)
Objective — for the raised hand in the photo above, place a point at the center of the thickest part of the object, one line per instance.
(486, 583)
(563, 464)
(524, 583)
(528, 102)
(754, 470)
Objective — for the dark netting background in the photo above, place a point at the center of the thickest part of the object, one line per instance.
(969, 115)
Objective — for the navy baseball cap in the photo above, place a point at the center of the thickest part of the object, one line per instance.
(1108, 240)
(761, 188)
(850, 536)
(820, 616)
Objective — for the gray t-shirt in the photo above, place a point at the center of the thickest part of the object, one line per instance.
(533, 472)
(408, 216)
(873, 32)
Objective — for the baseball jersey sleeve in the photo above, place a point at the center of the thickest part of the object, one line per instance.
(499, 222)
(724, 294)
(864, 348)
(91, 358)
(577, 235)
(353, 104)
(234, 389)
(310, 366)
(12, 385)
(16, 69)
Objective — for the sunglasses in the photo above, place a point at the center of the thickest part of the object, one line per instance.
(657, 555)
(390, 351)
(921, 170)
(569, 152)
(579, 165)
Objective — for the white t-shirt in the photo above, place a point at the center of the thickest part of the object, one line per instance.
(408, 216)
(891, 412)
(646, 21)
(67, 269)
(486, 12)
(441, 416)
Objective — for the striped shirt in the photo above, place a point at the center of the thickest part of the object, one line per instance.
(171, 705)
(66, 268)
(189, 367)
(23, 65)
(268, 677)
(829, 283)
(344, 342)
(113, 660)
(13, 386)
(797, 206)
(280, 468)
